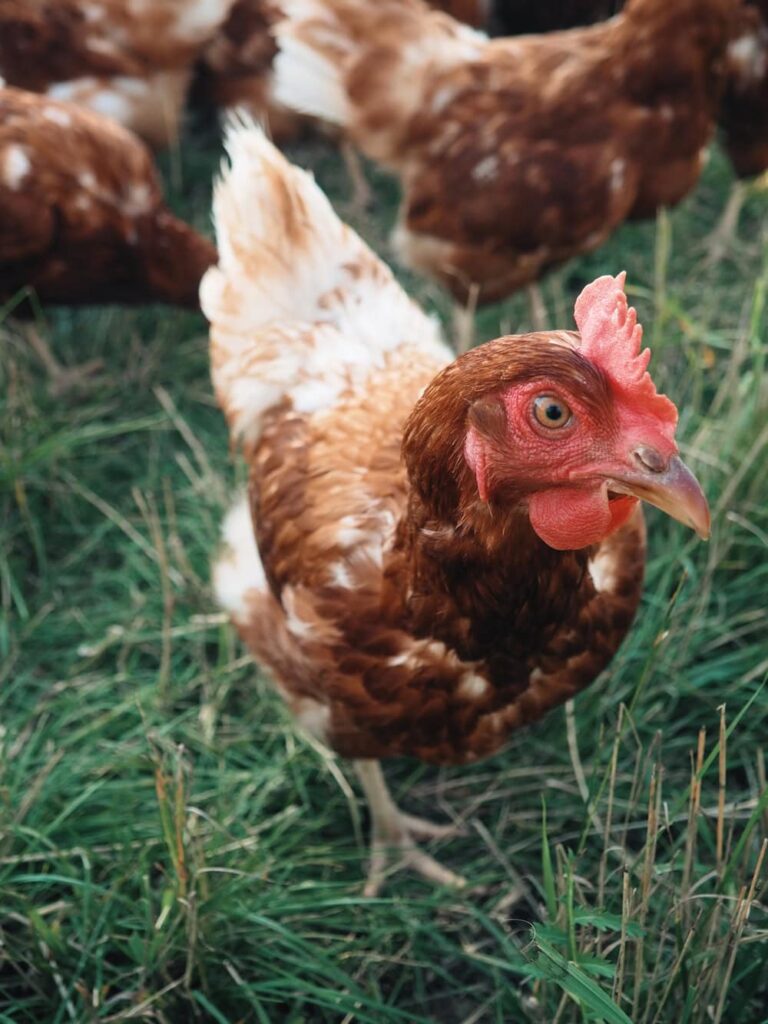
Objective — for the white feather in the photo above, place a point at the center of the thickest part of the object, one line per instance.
(318, 46)
(238, 570)
(306, 81)
(299, 305)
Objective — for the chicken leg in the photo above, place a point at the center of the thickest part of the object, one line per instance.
(362, 197)
(393, 835)
(725, 231)
(537, 310)
(724, 234)
(61, 379)
(464, 320)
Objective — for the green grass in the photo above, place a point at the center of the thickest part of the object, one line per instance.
(172, 851)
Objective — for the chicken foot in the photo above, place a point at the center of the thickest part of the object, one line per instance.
(393, 835)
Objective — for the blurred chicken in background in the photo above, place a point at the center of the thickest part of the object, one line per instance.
(235, 72)
(82, 217)
(476, 13)
(514, 154)
(744, 117)
(130, 61)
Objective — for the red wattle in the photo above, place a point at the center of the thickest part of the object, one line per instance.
(474, 452)
(569, 518)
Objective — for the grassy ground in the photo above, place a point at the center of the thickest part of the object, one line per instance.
(171, 850)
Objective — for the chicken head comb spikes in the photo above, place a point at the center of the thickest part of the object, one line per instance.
(611, 338)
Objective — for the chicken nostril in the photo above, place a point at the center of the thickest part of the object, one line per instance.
(650, 459)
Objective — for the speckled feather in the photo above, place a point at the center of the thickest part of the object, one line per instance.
(397, 613)
(514, 154)
(82, 216)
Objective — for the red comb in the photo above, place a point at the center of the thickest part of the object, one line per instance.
(611, 338)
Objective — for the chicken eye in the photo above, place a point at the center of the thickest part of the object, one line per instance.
(551, 412)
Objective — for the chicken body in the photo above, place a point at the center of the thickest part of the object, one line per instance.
(82, 216)
(514, 154)
(130, 61)
(380, 566)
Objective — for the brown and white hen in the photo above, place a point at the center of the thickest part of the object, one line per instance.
(514, 154)
(431, 553)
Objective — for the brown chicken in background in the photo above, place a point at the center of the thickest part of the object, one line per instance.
(431, 553)
(82, 215)
(130, 61)
(514, 154)
(235, 69)
(744, 116)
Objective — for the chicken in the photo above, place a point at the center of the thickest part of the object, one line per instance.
(744, 116)
(236, 64)
(236, 69)
(132, 61)
(514, 154)
(431, 554)
(235, 73)
(82, 216)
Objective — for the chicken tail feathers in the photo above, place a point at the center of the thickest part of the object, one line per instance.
(298, 304)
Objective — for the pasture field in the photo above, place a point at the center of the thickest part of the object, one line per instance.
(172, 850)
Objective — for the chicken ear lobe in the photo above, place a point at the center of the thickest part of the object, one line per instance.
(487, 419)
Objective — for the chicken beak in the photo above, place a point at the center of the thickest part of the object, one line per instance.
(667, 484)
